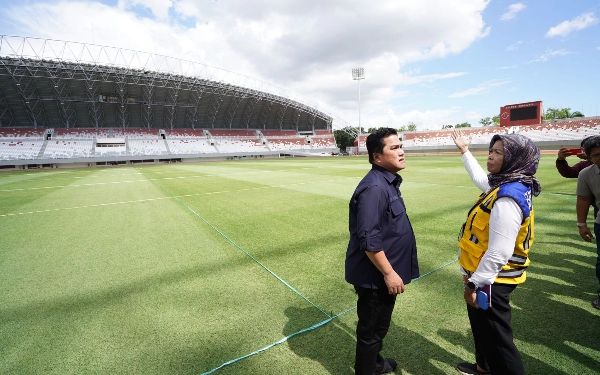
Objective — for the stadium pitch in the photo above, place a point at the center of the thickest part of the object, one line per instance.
(237, 267)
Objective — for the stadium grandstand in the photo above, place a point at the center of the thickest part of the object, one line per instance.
(549, 135)
(67, 104)
(520, 118)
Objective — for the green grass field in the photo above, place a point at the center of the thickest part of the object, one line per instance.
(238, 268)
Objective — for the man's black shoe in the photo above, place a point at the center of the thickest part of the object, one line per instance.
(469, 369)
(389, 366)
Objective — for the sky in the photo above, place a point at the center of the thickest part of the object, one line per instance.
(426, 62)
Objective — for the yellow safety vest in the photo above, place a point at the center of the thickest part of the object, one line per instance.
(474, 235)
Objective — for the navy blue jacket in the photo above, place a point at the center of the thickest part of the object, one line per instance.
(378, 221)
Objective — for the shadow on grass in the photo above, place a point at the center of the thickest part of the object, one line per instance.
(333, 346)
(532, 365)
(577, 243)
(556, 307)
(552, 310)
(416, 354)
(553, 319)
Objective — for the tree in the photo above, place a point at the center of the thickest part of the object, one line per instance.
(576, 114)
(343, 138)
(447, 126)
(411, 127)
(558, 114)
(496, 120)
(486, 121)
(463, 125)
(551, 114)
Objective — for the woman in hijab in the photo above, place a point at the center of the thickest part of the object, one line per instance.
(494, 244)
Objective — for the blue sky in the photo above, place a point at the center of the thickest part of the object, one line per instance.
(430, 62)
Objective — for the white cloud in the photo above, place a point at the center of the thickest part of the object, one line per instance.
(578, 23)
(473, 117)
(513, 9)
(481, 88)
(507, 67)
(425, 120)
(550, 54)
(411, 80)
(159, 8)
(514, 46)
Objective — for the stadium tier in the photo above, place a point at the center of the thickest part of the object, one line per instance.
(22, 148)
(550, 135)
(129, 103)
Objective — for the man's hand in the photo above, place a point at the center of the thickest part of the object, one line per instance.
(471, 297)
(586, 233)
(394, 283)
(461, 141)
(563, 153)
(582, 206)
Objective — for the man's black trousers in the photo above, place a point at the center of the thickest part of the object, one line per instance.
(374, 308)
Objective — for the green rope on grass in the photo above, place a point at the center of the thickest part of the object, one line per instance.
(320, 324)
(240, 248)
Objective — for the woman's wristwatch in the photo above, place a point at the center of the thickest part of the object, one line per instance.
(471, 285)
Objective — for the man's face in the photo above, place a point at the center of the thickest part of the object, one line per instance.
(595, 156)
(392, 157)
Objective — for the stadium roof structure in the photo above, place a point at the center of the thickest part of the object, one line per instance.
(60, 84)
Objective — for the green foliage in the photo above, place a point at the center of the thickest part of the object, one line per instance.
(496, 120)
(576, 114)
(463, 125)
(155, 270)
(559, 114)
(343, 138)
(486, 121)
(410, 127)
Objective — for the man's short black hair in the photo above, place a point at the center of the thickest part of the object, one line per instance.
(375, 141)
(590, 143)
(585, 139)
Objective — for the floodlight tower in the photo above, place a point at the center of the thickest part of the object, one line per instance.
(357, 75)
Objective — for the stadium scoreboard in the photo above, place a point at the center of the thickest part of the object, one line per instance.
(521, 114)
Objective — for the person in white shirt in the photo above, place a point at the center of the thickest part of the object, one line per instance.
(494, 243)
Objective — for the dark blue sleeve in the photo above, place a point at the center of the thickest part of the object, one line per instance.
(372, 202)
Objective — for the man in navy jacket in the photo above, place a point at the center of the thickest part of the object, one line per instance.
(382, 254)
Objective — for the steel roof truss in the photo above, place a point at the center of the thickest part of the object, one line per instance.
(191, 113)
(213, 106)
(233, 105)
